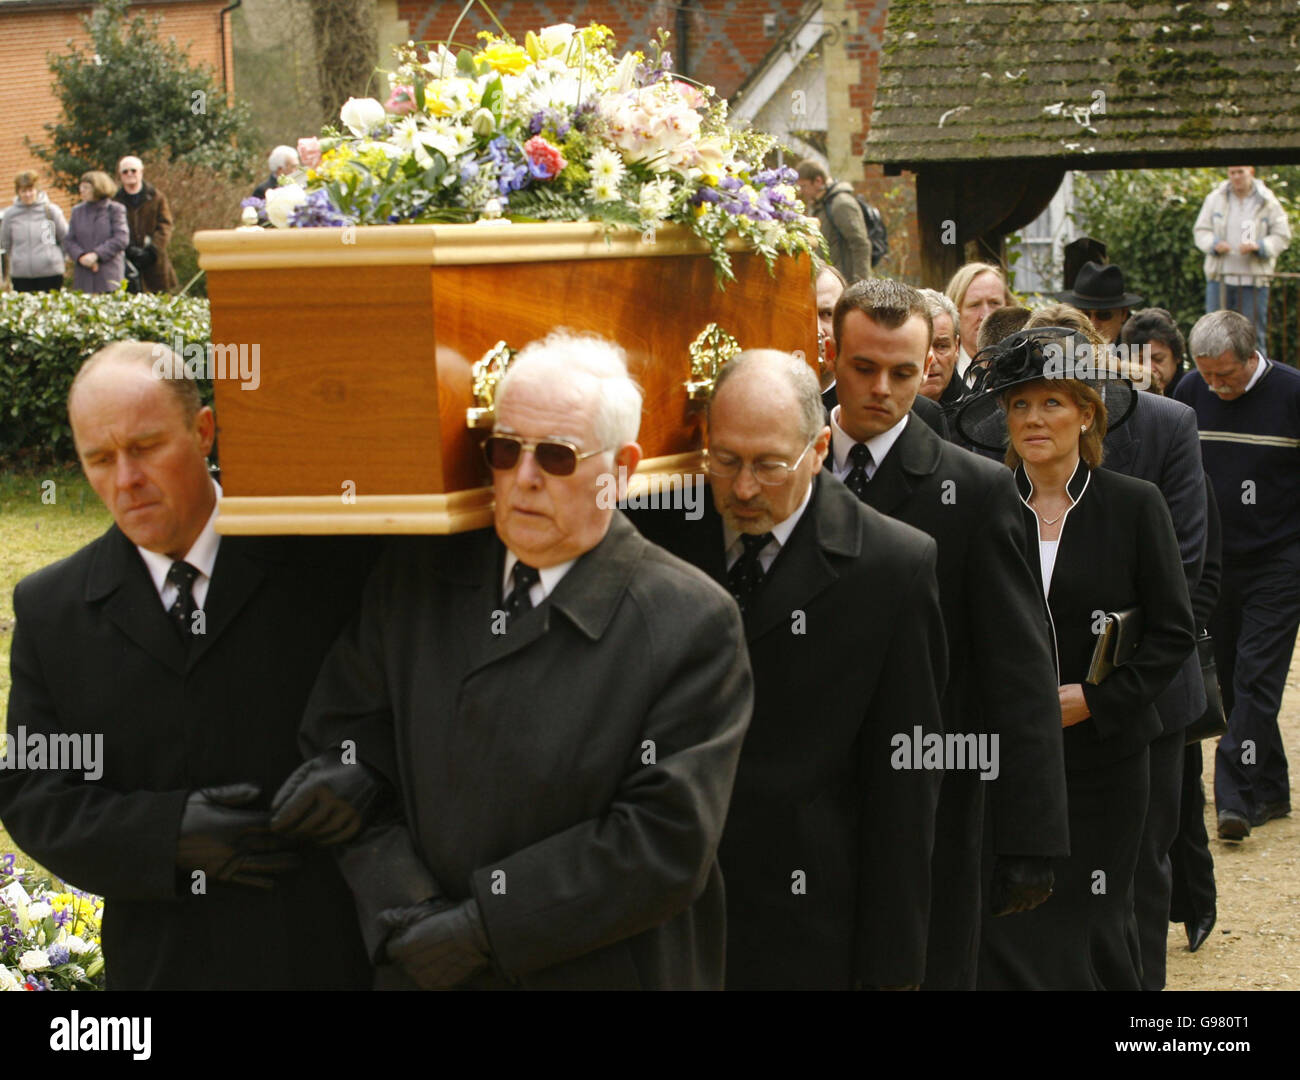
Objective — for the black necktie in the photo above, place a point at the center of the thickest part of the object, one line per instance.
(856, 479)
(182, 575)
(746, 573)
(519, 600)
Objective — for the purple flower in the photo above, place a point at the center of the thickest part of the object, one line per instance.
(59, 954)
(317, 212)
(512, 173)
(9, 936)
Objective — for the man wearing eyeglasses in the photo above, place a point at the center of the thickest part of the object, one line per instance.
(826, 853)
(561, 706)
(149, 219)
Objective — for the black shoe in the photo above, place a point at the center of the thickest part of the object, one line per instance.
(1267, 811)
(1233, 826)
(1198, 932)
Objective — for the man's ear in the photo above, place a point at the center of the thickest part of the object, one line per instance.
(205, 423)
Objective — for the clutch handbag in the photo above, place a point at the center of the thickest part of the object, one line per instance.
(1212, 722)
(1116, 643)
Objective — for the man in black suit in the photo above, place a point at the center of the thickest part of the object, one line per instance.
(561, 705)
(189, 657)
(1002, 680)
(827, 848)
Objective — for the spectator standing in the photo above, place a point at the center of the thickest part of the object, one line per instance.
(977, 289)
(150, 220)
(1242, 229)
(1248, 412)
(97, 236)
(282, 162)
(31, 233)
(1099, 292)
(840, 214)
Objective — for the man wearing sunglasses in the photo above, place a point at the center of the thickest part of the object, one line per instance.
(827, 848)
(560, 705)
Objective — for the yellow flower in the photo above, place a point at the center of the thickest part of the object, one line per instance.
(505, 58)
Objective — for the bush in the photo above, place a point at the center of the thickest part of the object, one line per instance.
(45, 337)
(200, 198)
(1145, 219)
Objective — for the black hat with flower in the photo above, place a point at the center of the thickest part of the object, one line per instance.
(1045, 352)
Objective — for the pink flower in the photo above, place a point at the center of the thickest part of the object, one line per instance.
(400, 101)
(544, 160)
(309, 152)
(689, 94)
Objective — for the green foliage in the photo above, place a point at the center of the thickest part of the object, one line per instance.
(1145, 218)
(44, 337)
(129, 92)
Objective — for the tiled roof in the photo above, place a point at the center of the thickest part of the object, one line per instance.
(997, 79)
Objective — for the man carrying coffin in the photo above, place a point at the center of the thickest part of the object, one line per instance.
(191, 656)
(827, 848)
(561, 705)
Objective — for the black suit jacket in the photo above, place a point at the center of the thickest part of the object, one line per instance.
(1001, 679)
(1159, 443)
(95, 652)
(1117, 550)
(571, 773)
(847, 649)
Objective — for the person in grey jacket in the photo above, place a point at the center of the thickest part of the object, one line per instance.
(31, 233)
(840, 215)
(1242, 229)
(97, 236)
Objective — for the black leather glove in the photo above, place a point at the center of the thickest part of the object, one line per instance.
(1020, 883)
(142, 255)
(230, 843)
(438, 944)
(329, 802)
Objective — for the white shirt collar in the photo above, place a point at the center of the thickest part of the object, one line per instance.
(550, 577)
(781, 532)
(1260, 365)
(202, 556)
(879, 445)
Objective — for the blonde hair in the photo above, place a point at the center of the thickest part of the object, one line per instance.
(101, 184)
(959, 284)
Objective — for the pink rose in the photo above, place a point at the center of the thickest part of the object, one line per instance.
(545, 161)
(309, 152)
(401, 101)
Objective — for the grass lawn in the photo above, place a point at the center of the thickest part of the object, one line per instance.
(44, 516)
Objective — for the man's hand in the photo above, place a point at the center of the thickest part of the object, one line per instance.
(230, 843)
(437, 944)
(1020, 883)
(1249, 247)
(329, 801)
(1074, 706)
(1222, 247)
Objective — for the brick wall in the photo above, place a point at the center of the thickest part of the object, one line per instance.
(726, 39)
(27, 101)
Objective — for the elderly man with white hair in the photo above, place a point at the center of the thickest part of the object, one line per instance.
(560, 705)
(282, 162)
(149, 219)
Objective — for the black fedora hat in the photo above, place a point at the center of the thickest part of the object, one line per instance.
(1045, 352)
(1098, 288)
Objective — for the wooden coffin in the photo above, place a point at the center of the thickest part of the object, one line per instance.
(365, 339)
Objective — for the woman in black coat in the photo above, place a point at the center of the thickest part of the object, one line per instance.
(1105, 543)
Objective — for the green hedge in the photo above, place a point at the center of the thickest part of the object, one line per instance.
(44, 337)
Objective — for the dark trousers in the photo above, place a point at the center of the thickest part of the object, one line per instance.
(1254, 630)
(38, 284)
(1195, 897)
(1153, 878)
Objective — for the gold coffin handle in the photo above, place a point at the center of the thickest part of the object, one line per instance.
(487, 374)
(710, 350)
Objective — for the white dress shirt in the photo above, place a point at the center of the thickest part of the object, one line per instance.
(202, 556)
(549, 577)
(842, 443)
(735, 547)
(1260, 365)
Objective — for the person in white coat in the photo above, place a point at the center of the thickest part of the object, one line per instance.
(31, 236)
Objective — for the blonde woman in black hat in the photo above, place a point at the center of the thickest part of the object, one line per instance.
(1104, 543)
(1100, 294)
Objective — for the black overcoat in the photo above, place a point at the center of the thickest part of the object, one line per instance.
(94, 652)
(571, 773)
(848, 651)
(1001, 678)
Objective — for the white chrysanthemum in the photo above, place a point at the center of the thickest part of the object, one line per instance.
(76, 944)
(606, 166)
(656, 198)
(603, 191)
(39, 910)
(34, 960)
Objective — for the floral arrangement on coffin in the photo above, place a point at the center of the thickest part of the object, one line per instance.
(49, 934)
(556, 129)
